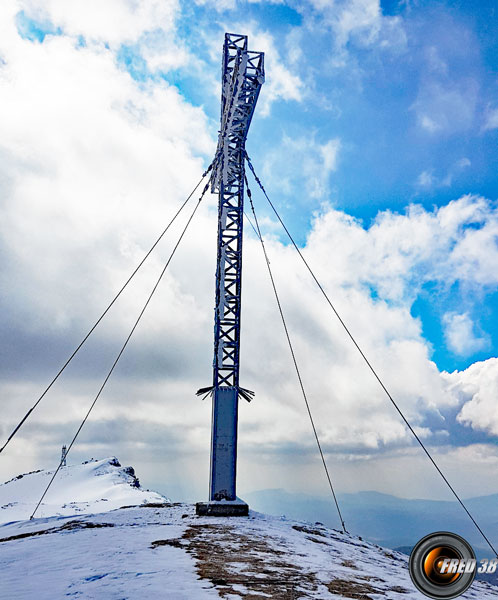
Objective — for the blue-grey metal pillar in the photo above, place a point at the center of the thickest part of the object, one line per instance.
(242, 77)
(224, 444)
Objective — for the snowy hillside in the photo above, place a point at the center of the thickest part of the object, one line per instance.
(167, 552)
(163, 550)
(95, 486)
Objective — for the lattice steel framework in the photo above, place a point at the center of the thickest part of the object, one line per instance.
(242, 78)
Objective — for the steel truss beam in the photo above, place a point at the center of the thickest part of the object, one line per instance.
(242, 78)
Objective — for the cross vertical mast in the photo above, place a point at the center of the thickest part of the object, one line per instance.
(242, 77)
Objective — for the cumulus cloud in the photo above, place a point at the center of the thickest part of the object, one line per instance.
(304, 161)
(360, 22)
(281, 82)
(425, 179)
(140, 35)
(399, 252)
(446, 107)
(477, 390)
(91, 150)
(460, 334)
(113, 22)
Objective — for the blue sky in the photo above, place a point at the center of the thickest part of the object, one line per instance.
(414, 109)
(376, 136)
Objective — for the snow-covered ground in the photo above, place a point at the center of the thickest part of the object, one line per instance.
(92, 487)
(163, 550)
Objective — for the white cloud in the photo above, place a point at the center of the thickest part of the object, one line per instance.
(428, 123)
(446, 107)
(293, 45)
(460, 334)
(491, 119)
(91, 150)
(463, 163)
(329, 153)
(409, 474)
(281, 83)
(400, 252)
(447, 97)
(146, 28)
(434, 61)
(162, 53)
(477, 390)
(114, 21)
(218, 5)
(425, 179)
(304, 162)
(360, 22)
(359, 18)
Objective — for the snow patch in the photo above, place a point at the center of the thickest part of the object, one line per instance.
(95, 486)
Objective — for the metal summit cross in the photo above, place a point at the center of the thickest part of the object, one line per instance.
(242, 78)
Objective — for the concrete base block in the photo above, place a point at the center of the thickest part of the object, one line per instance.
(222, 508)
